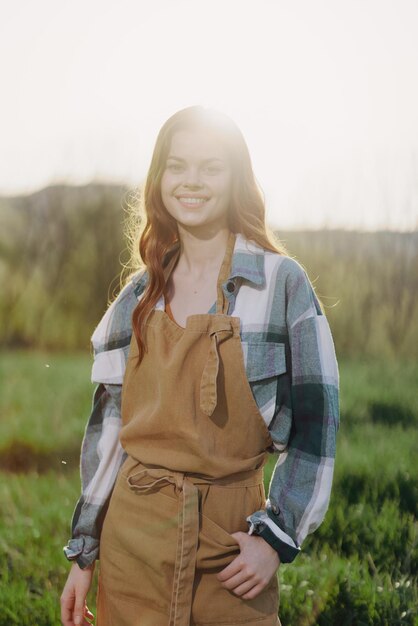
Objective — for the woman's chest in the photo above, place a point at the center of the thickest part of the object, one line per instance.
(190, 296)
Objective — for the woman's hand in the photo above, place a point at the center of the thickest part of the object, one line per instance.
(252, 569)
(74, 610)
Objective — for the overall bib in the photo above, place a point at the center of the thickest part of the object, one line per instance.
(197, 445)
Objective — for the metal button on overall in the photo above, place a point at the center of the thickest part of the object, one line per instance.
(197, 446)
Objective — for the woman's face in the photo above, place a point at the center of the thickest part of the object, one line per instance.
(196, 183)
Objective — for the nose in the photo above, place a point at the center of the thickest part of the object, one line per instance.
(192, 178)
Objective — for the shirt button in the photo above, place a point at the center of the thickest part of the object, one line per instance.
(230, 286)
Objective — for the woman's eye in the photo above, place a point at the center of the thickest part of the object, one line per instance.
(179, 167)
(213, 169)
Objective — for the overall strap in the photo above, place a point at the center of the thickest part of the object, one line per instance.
(221, 301)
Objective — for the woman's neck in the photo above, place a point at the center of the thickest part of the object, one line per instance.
(200, 254)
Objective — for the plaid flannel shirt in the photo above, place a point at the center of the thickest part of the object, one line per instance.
(292, 370)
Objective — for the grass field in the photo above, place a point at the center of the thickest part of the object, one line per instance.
(360, 567)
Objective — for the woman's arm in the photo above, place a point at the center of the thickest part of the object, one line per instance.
(300, 487)
(101, 452)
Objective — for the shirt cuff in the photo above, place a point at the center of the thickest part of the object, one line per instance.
(263, 526)
(83, 549)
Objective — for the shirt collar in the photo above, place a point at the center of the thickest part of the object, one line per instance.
(247, 263)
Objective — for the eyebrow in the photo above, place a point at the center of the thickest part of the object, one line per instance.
(176, 158)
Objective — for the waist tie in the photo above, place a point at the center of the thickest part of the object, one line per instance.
(188, 525)
(208, 390)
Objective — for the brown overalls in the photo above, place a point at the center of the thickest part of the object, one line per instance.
(197, 446)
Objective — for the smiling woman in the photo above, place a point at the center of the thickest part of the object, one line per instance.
(199, 152)
(215, 353)
(195, 189)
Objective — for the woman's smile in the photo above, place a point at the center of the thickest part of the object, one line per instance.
(192, 201)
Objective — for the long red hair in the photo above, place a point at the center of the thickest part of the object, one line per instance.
(158, 233)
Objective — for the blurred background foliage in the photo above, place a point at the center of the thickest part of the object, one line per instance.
(61, 251)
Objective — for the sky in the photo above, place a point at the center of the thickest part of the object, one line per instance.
(325, 93)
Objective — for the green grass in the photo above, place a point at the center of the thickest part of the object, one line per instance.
(359, 568)
(367, 384)
(45, 399)
(34, 525)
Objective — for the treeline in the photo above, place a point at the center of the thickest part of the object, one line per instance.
(62, 250)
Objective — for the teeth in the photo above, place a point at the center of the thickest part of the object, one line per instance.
(192, 200)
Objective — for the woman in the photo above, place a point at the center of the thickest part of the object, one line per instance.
(225, 356)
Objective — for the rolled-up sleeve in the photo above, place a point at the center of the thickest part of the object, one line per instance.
(100, 460)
